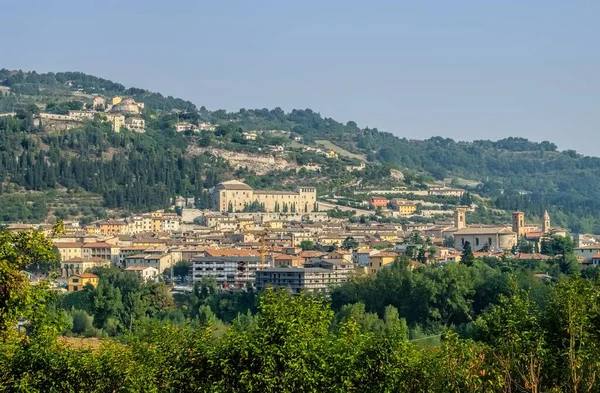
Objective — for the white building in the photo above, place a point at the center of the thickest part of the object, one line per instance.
(145, 273)
(231, 268)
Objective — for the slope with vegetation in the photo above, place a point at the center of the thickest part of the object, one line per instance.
(512, 173)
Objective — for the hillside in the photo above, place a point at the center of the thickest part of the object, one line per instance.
(140, 171)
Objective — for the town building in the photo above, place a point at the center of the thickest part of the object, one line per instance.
(79, 265)
(126, 106)
(82, 115)
(145, 273)
(102, 250)
(77, 282)
(69, 250)
(117, 120)
(235, 196)
(98, 103)
(492, 238)
(296, 280)
(136, 124)
(445, 191)
(231, 268)
(380, 259)
(379, 201)
(404, 207)
(185, 126)
(159, 261)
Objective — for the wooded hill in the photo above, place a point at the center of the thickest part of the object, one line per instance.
(144, 171)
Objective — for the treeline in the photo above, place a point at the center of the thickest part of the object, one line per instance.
(513, 332)
(33, 83)
(295, 344)
(129, 170)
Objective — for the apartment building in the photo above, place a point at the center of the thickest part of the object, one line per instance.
(296, 280)
(231, 268)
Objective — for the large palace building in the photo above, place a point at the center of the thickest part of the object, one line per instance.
(235, 196)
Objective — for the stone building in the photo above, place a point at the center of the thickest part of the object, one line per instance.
(235, 196)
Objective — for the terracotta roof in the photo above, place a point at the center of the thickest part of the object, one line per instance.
(597, 256)
(91, 259)
(138, 268)
(386, 254)
(232, 253)
(267, 192)
(85, 275)
(233, 185)
(483, 231)
(97, 245)
(537, 256)
(311, 254)
(68, 244)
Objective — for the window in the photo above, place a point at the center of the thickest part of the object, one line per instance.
(462, 239)
(476, 241)
(490, 241)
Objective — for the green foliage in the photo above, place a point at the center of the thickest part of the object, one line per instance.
(182, 269)
(467, 257)
(307, 245)
(349, 243)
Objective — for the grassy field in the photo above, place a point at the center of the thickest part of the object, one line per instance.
(343, 152)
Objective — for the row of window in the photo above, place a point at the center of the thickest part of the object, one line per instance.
(489, 241)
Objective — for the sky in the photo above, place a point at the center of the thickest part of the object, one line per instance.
(459, 69)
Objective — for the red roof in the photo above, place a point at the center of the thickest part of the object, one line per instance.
(68, 244)
(232, 253)
(90, 259)
(85, 275)
(97, 245)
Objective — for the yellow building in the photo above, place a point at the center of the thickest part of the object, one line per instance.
(407, 209)
(117, 121)
(93, 230)
(377, 261)
(156, 224)
(116, 100)
(77, 282)
(80, 265)
(387, 236)
(404, 207)
(331, 154)
(233, 196)
(275, 224)
(69, 250)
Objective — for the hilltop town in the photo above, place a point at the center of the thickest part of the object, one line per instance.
(260, 238)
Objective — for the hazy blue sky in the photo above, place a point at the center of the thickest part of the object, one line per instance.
(460, 69)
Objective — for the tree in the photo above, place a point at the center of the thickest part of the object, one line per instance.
(524, 246)
(466, 199)
(18, 299)
(467, 255)
(513, 329)
(349, 243)
(182, 269)
(307, 245)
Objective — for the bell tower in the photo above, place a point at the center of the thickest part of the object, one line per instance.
(546, 224)
(460, 217)
(518, 223)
